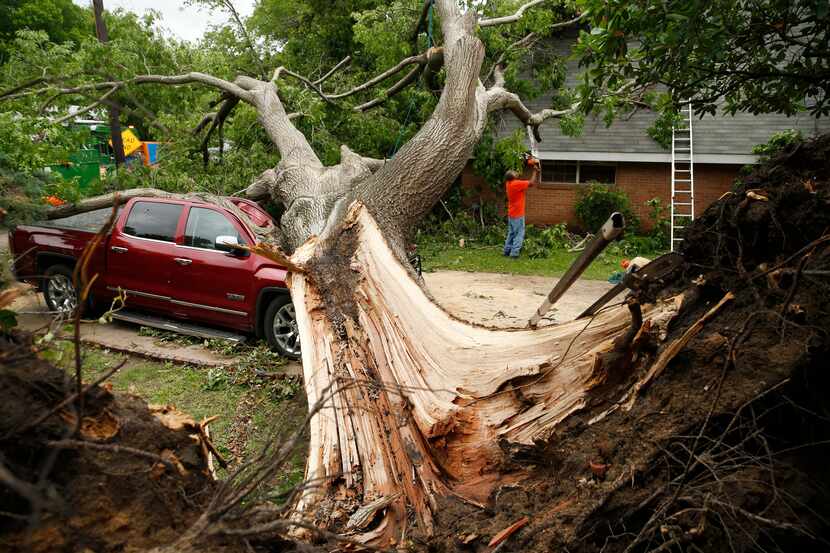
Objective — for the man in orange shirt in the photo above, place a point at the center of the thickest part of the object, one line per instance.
(516, 190)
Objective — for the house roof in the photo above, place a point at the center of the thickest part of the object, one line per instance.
(716, 139)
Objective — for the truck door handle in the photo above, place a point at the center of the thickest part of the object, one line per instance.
(118, 249)
(183, 261)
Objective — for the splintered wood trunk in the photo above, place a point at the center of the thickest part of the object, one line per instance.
(418, 402)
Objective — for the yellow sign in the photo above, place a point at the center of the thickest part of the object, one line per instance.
(131, 142)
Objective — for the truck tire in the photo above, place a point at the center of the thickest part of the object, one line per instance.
(59, 289)
(281, 327)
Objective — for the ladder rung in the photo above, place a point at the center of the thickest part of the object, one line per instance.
(682, 170)
(682, 180)
(683, 191)
(683, 203)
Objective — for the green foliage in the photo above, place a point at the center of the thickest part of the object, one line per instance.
(598, 201)
(777, 142)
(542, 243)
(61, 20)
(21, 194)
(659, 217)
(8, 320)
(492, 158)
(731, 51)
(254, 365)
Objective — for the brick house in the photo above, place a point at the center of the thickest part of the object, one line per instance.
(623, 155)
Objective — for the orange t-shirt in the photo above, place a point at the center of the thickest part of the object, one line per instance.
(516, 190)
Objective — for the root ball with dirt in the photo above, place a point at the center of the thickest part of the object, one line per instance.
(724, 450)
(127, 478)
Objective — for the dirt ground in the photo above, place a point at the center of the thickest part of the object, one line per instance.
(504, 300)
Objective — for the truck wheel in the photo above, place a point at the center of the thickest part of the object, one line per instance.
(59, 289)
(281, 327)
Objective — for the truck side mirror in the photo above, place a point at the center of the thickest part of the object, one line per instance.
(230, 245)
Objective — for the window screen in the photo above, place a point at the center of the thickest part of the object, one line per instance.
(154, 220)
(204, 226)
(559, 171)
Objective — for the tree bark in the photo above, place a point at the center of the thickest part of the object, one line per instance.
(114, 112)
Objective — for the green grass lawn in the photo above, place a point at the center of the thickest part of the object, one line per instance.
(249, 409)
(489, 259)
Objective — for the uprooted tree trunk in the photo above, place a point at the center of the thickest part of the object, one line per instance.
(438, 398)
(435, 399)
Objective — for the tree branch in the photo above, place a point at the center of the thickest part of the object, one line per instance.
(280, 70)
(244, 32)
(419, 59)
(408, 79)
(332, 71)
(523, 42)
(22, 86)
(499, 98)
(509, 18)
(85, 109)
(187, 78)
(217, 122)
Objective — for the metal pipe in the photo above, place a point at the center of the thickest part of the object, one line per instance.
(609, 232)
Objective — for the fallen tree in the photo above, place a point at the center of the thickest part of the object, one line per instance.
(434, 411)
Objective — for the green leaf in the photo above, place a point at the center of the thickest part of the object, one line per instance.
(8, 319)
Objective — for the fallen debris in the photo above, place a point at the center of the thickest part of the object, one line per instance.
(123, 482)
(509, 531)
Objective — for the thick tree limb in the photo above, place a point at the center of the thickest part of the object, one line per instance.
(186, 78)
(499, 98)
(106, 200)
(217, 122)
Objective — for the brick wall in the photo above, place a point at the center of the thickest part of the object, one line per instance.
(551, 204)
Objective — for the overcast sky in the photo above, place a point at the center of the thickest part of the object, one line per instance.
(185, 22)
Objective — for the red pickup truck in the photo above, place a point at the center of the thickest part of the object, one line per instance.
(175, 262)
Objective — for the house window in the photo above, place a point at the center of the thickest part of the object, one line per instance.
(560, 171)
(578, 172)
(604, 173)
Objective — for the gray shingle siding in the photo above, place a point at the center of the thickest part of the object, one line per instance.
(717, 139)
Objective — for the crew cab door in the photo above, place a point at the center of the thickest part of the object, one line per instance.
(214, 283)
(141, 251)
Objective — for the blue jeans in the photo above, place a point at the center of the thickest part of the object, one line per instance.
(515, 236)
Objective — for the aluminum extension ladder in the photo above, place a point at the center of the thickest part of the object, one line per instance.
(682, 176)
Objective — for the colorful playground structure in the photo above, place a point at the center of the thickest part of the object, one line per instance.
(95, 159)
